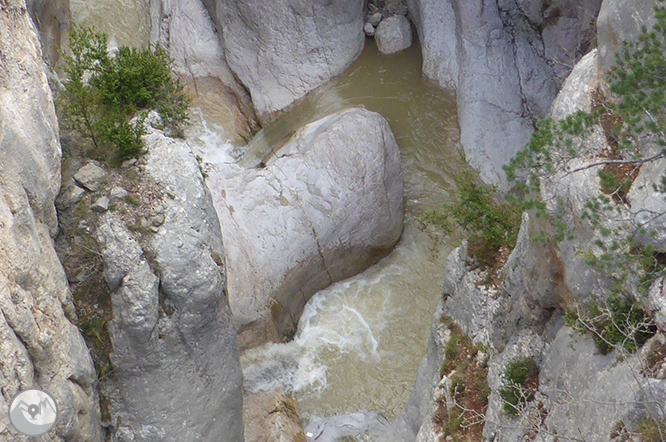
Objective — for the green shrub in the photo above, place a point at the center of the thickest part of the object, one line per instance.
(520, 384)
(489, 224)
(103, 93)
(617, 322)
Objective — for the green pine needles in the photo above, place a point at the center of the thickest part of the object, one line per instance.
(103, 93)
(489, 224)
(629, 121)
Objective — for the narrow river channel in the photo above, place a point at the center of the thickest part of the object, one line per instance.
(360, 341)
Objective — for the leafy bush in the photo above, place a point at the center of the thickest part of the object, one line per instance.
(490, 225)
(521, 377)
(102, 93)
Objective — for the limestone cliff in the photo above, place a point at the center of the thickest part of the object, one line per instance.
(506, 60)
(170, 366)
(39, 344)
(580, 391)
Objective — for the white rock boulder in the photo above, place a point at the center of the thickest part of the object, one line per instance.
(393, 34)
(329, 206)
(282, 50)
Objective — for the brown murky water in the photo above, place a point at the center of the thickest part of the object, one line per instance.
(360, 341)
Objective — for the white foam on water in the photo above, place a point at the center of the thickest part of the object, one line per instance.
(328, 325)
(208, 140)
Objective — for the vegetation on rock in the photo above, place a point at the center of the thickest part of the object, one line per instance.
(521, 382)
(104, 93)
(631, 121)
(465, 365)
(489, 224)
(618, 322)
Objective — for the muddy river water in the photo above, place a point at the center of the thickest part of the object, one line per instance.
(360, 341)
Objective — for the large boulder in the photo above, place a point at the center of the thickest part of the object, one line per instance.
(619, 21)
(176, 369)
(393, 35)
(281, 50)
(329, 205)
(506, 62)
(39, 345)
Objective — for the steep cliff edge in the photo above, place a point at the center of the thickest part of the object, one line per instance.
(552, 369)
(169, 364)
(39, 345)
(506, 60)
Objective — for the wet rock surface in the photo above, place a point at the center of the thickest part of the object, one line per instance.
(186, 31)
(393, 35)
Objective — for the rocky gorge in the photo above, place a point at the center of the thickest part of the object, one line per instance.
(136, 294)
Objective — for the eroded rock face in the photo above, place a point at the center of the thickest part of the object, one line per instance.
(621, 21)
(174, 344)
(281, 50)
(185, 29)
(329, 206)
(580, 390)
(52, 18)
(39, 345)
(506, 60)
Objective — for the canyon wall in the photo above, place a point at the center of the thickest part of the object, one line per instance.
(506, 61)
(40, 346)
(581, 390)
